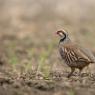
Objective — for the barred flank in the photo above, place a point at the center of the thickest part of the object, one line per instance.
(71, 58)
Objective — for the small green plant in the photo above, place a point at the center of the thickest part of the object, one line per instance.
(28, 67)
(12, 58)
(72, 92)
(43, 65)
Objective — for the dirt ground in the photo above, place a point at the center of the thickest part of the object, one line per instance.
(30, 67)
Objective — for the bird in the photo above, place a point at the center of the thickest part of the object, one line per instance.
(74, 55)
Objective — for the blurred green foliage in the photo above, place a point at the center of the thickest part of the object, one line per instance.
(43, 65)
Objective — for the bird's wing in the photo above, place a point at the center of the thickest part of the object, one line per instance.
(79, 53)
(85, 54)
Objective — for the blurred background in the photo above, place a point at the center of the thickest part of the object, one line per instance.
(30, 25)
(27, 33)
(37, 17)
(41, 18)
(27, 28)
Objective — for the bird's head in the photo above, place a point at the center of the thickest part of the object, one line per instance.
(62, 34)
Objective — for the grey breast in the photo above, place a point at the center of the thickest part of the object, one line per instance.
(68, 56)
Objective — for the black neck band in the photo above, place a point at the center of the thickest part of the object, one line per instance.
(61, 40)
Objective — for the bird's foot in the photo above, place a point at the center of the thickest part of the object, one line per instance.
(83, 74)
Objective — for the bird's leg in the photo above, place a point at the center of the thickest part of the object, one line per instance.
(80, 70)
(88, 71)
(83, 74)
(72, 70)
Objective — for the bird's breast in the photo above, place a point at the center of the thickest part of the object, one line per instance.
(68, 55)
